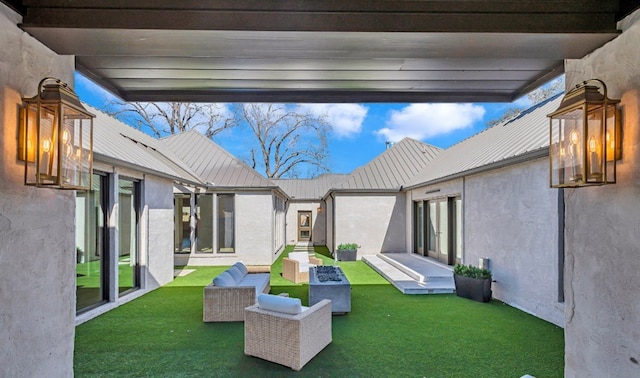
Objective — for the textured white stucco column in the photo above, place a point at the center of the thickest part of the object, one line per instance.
(158, 231)
(37, 231)
(602, 239)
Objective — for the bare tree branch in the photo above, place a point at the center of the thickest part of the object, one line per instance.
(289, 141)
(162, 119)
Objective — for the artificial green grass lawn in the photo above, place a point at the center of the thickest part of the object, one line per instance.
(386, 334)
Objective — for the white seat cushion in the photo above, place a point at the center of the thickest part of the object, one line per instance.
(304, 267)
(301, 257)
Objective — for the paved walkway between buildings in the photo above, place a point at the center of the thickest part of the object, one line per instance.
(413, 274)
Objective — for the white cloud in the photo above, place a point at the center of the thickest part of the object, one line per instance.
(422, 121)
(345, 119)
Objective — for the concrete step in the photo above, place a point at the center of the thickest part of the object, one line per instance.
(405, 269)
(408, 280)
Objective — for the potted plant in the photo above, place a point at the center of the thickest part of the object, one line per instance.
(347, 252)
(472, 282)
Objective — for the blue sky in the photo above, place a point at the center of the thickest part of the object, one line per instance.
(360, 131)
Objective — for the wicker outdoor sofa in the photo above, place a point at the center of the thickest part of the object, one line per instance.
(225, 299)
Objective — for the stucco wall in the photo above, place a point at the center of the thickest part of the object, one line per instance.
(37, 259)
(376, 222)
(319, 222)
(157, 231)
(511, 217)
(329, 203)
(602, 334)
(254, 227)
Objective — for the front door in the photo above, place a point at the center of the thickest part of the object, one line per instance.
(304, 226)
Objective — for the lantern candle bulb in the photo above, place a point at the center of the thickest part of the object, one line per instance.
(573, 151)
(594, 160)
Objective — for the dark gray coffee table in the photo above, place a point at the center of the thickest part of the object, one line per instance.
(329, 282)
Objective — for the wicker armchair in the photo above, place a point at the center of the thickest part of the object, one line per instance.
(286, 339)
(295, 267)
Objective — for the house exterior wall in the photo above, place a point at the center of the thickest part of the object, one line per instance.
(602, 230)
(318, 220)
(254, 230)
(511, 217)
(37, 254)
(155, 236)
(253, 233)
(157, 231)
(376, 222)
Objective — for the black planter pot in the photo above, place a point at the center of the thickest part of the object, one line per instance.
(347, 254)
(473, 288)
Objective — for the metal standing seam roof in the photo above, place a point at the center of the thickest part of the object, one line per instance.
(310, 189)
(393, 168)
(212, 163)
(526, 133)
(117, 143)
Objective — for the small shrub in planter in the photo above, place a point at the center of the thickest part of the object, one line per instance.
(347, 252)
(472, 282)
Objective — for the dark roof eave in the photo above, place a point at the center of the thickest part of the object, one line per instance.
(531, 155)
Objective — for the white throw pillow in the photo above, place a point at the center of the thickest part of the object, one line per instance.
(278, 303)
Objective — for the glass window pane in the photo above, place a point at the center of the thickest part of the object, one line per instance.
(90, 253)
(182, 236)
(127, 235)
(419, 225)
(458, 241)
(431, 226)
(226, 215)
(444, 227)
(204, 223)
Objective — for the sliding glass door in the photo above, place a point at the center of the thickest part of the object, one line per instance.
(438, 229)
(91, 245)
(128, 241)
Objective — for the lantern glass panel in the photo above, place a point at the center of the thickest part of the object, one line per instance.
(612, 144)
(75, 147)
(567, 145)
(44, 170)
(594, 141)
